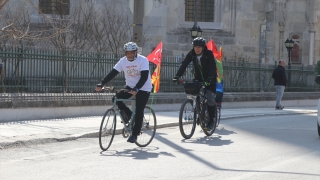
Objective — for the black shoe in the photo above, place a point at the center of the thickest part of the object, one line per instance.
(279, 108)
(210, 125)
(198, 121)
(132, 139)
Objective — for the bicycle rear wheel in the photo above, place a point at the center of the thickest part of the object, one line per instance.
(148, 129)
(107, 129)
(218, 115)
(205, 119)
(187, 119)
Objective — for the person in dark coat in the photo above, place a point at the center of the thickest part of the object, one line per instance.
(204, 71)
(280, 82)
(1, 67)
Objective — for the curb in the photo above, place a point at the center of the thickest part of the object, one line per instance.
(95, 134)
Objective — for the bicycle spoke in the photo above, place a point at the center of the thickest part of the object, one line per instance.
(148, 128)
(107, 129)
(187, 119)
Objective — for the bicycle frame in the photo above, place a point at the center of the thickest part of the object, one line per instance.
(127, 128)
(108, 124)
(196, 99)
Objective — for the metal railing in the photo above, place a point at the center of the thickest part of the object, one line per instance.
(34, 70)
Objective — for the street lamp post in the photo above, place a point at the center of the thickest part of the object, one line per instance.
(289, 45)
(195, 31)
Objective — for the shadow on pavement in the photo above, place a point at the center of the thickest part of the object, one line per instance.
(137, 153)
(223, 131)
(209, 140)
(216, 141)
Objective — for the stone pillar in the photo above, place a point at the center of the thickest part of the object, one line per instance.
(312, 31)
(138, 15)
(281, 39)
(312, 23)
(280, 17)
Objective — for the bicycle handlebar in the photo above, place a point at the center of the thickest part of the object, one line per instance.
(198, 82)
(109, 88)
(114, 90)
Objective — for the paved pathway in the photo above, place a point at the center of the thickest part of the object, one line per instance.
(41, 131)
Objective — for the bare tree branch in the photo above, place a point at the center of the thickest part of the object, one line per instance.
(3, 3)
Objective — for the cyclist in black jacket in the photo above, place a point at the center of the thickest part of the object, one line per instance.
(204, 71)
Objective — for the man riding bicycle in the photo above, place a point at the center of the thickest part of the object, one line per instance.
(138, 82)
(204, 71)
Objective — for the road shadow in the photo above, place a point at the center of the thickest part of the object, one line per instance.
(223, 131)
(137, 153)
(214, 140)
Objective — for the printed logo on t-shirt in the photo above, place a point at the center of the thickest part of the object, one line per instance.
(132, 72)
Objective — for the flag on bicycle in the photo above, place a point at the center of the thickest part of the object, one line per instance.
(156, 55)
(212, 46)
(155, 79)
(218, 55)
(156, 58)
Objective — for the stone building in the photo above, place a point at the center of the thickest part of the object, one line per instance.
(252, 29)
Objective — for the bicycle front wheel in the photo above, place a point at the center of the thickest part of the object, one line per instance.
(148, 129)
(107, 129)
(187, 120)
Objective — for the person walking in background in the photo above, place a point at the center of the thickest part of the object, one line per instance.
(1, 67)
(280, 82)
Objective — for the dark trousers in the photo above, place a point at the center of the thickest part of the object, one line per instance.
(141, 101)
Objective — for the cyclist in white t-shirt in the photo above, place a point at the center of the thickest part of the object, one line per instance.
(138, 82)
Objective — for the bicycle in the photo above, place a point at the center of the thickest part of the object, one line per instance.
(194, 111)
(218, 115)
(109, 122)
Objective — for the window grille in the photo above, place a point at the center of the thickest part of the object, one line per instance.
(61, 7)
(205, 10)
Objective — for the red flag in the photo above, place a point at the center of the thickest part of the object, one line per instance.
(212, 46)
(156, 55)
(156, 58)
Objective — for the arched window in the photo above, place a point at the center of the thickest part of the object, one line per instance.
(295, 53)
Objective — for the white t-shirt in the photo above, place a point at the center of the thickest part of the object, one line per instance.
(132, 71)
(199, 57)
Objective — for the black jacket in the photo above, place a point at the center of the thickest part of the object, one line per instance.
(202, 71)
(279, 76)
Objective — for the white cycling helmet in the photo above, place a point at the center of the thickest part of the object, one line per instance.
(130, 46)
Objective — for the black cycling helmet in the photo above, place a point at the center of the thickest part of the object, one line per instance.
(199, 41)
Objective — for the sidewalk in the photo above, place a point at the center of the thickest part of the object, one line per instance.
(51, 130)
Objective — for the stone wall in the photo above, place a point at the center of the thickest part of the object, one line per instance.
(92, 99)
(254, 30)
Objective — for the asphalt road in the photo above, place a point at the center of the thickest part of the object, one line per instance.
(263, 147)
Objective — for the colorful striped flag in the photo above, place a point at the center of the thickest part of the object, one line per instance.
(218, 55)
(156, 58)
